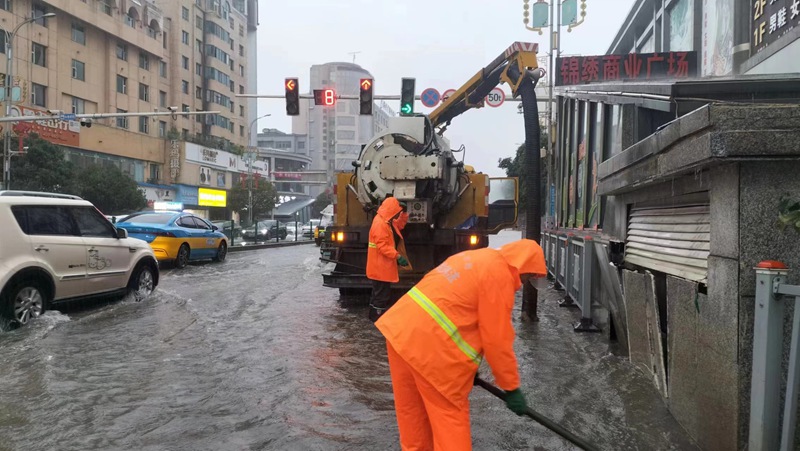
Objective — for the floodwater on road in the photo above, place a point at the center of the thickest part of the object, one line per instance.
(255, 354)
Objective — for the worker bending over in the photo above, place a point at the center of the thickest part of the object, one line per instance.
(438, 333)
(383, 256)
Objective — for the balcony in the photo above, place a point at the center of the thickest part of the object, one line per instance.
(129, 21)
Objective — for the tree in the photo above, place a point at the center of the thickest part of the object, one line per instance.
(264, 199)
(110, 190)
(323, 200)
(42, 168)
(515, 167)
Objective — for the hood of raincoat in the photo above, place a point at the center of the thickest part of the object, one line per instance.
(526, 256)
(389, 208)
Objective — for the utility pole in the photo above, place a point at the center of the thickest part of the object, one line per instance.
(9, 89)
(540, 15)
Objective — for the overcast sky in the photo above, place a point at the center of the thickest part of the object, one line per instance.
(441, 43)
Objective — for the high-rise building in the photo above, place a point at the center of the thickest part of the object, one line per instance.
(336, 134)
(117, 56)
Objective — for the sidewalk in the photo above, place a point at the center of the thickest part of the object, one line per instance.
(576, 380)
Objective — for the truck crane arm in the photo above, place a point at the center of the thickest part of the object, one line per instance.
(508, 67)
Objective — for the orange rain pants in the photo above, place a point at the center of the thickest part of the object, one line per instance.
(427, 420)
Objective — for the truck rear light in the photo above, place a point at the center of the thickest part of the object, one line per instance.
(473, 240)
(340, 236)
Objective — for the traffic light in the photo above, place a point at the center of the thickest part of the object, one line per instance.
(407, 95)
(365, 97)
(292, 97)
(325, 97)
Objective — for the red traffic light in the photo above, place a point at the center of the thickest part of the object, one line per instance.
(291, 84)
(326, 97)
(366, 83)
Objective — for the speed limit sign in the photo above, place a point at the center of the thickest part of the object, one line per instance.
(496, 98)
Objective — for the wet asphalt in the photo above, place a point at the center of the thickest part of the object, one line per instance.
(255, 354)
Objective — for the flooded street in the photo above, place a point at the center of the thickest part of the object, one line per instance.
(256, 354)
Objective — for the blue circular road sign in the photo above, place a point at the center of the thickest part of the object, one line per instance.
(430, 97)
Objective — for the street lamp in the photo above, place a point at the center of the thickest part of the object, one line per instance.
(8, 90)
(250, 159)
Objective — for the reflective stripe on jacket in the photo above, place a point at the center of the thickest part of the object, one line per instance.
(461, 312)
(381, 253)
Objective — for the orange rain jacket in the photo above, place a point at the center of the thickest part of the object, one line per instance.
(382, 253)
(461, 312)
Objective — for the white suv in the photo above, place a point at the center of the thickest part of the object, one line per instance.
(56, 247)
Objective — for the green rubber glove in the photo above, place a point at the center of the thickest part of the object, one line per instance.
(402, 261)
(515, 401)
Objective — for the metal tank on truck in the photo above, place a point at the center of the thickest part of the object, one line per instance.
(451, 207)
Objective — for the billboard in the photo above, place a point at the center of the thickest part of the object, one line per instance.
(50, 128)
(211, 197)
(579, 70)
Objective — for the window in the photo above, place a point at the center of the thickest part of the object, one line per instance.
(185, 108)
(38, 94)
(185, 37)
(122, 84)
(144, 61)
(198, 92)
(241, 130)
(241, 70)
(345, 134)
(217, 53)
(2, 39)
(184, 13)
(79, 34)
(39, 53)
(45, 220)
(122, 52)
(162, 68)
(232, 45)
(232, 107)
(230, 127)
(241, 50)
(78, 106)
(185, 86)
(241, 30)
(198, 21)
(162, 99)
(105, 6)
(241, 110)
(230, 64)
(144, 124)
(232, 86)
(78, 70)
(198, 69)
(122, 122)
(241, 89)
(154, 170)
(185, 62)
(5, 4)
(91, 223)
(162, 129)
(144, 92)
(38, 11)
(185, 133)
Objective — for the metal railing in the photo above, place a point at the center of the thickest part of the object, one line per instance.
(766, 432)
(570, 262)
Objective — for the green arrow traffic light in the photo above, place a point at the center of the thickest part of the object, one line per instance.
(406, 108)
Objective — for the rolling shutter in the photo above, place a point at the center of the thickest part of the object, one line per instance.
(674, 240)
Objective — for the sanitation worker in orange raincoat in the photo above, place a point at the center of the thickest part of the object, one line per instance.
(438, 333)
(383, 256)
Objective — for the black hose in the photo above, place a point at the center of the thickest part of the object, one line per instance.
(530, 109)
(539, 418)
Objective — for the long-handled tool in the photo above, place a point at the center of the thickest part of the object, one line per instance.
(544, 421)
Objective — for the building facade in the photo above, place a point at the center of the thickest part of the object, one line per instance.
(666, 159)
(131, 56)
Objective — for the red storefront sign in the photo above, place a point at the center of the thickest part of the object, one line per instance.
(50, 128)
(579, 70)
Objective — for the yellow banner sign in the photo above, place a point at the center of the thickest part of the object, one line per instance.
(211, 197)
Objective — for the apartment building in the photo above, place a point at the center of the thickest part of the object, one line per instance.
(116, 56)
